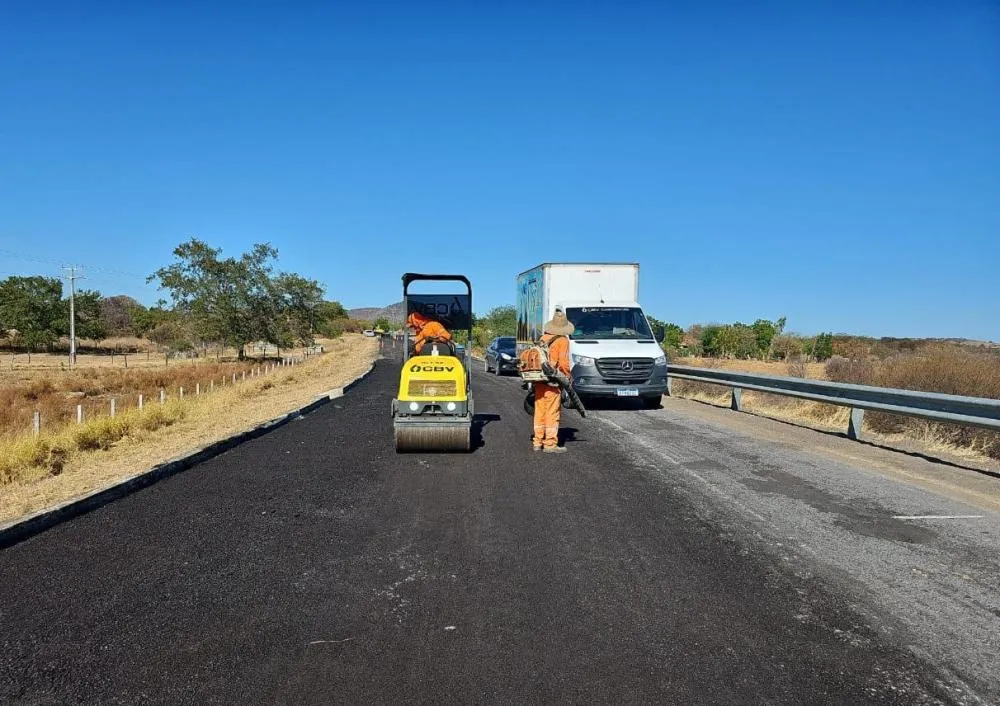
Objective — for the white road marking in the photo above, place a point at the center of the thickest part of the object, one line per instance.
(938, 517)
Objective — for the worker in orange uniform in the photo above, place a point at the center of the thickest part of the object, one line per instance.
(548, 396)
(427, 331)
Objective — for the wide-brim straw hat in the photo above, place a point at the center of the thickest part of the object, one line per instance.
(559, 325)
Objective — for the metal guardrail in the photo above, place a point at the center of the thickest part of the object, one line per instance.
(956, 409)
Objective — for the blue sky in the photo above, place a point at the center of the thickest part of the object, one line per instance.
(836, 163)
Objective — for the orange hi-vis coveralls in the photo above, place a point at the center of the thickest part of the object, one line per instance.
(425, 329)
(548, 398)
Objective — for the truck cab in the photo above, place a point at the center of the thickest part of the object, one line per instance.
(612, 349)
(614, 353)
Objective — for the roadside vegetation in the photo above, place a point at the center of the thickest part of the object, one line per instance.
(949, 367)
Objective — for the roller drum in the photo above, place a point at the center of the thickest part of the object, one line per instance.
(432, 437)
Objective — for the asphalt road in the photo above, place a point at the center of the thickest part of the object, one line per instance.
(664, 559)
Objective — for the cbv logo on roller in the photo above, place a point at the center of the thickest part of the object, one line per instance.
(431, 368)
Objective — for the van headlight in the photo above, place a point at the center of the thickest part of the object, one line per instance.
(660, 360)
(505, 356)
(583, 360)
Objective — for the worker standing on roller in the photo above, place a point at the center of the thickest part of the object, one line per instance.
(548, 397)
(426, 331)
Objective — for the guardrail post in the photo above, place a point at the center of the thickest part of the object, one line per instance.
(736, 403)
(854, 425)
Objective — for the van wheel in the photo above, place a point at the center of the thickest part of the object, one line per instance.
(486, 364)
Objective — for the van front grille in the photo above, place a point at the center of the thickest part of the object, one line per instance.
(625, 369)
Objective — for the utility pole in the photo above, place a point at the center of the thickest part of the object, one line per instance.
(72, 276)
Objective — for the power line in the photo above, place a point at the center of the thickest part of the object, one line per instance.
(92, 268)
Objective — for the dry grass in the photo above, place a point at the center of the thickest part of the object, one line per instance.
(813, 371)
(55, 392)
(36, 473)
(933, 368)
(949, 369)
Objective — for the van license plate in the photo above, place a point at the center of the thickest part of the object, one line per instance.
(627, 392)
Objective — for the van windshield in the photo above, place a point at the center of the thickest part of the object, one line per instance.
(609, 322)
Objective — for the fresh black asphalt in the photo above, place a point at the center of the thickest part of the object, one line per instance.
(315, 565)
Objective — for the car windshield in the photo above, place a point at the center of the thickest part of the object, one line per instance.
(609, 322)
(506, 344)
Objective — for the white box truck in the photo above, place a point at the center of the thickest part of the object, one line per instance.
(612, 350)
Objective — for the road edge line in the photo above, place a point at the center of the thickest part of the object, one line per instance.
(26, 527)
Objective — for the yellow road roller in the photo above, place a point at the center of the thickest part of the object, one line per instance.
(433, 409)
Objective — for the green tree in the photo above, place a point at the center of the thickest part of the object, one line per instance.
(764, 332)
(330, 317)
(710, 344)
(231, 300)
(823, 346)
(87, 309)
(144, 320)
(737, 341)
(33, 307)
(673, 336)
(658, 328)
(500, 321)
(383, 324)
(297, 300)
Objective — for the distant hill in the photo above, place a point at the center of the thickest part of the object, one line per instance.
(393, 312)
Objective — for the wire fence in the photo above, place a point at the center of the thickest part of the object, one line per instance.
(116, 405)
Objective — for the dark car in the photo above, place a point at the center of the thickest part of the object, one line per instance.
(501, 355)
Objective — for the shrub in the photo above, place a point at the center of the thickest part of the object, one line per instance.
(797, 368)
(857, 371)
(786, 347)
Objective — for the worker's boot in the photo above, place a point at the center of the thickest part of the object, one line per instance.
(554, 450)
